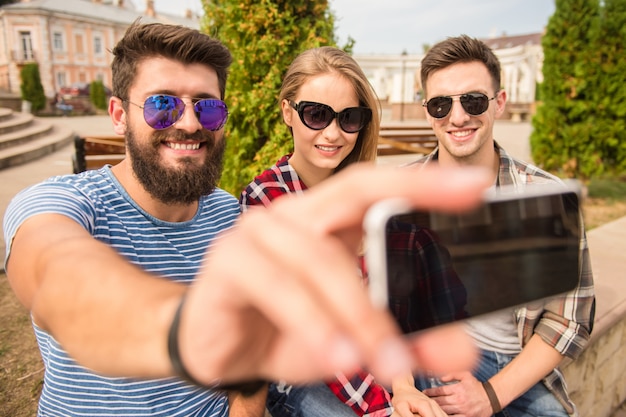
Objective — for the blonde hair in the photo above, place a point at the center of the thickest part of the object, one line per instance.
(327, 59)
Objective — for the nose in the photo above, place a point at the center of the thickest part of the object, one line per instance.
(332, 132)
(188, 121)
(458, 115)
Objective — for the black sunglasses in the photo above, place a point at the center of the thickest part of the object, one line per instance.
(161, 111)
(473, 103)
(318, 116)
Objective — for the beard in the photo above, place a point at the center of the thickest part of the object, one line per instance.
(183, 184)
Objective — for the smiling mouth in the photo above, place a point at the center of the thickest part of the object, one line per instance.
(327, 148)
(180, 146)
(462, 133)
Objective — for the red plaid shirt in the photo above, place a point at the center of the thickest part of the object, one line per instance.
(359, 391)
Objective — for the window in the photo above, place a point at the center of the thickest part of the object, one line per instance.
(61, 80)
(57, 41)
(97, 45)
(80, 48)
(26, 44)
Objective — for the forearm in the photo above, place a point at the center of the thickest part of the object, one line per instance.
(107, 314)
(247, 406)
(534, 362)
(403, 382)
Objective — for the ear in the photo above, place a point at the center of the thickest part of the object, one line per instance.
(500, 102)
(287, 112)
(118, 115)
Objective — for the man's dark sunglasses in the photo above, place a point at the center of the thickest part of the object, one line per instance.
(161, 111)
(318, 116)
(473, 103)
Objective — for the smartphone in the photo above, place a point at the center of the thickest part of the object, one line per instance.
(431, 268)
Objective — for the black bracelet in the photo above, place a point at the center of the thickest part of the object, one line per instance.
(493, 398)
(173, 348)
(246, 388)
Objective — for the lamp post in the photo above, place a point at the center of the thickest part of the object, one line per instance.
(402, 86)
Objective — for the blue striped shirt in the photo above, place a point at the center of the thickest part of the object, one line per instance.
(97, 201)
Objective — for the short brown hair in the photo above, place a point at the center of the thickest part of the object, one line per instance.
(460, 49)
(180, 43)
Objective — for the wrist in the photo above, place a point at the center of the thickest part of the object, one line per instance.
(173, 347)
(247, 388)
(493, 398)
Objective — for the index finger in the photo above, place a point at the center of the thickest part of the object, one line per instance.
(360, 186)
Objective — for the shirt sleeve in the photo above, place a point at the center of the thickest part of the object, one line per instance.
(46, 198)
(565, 322)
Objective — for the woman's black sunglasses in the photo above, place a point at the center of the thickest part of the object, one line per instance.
(473, 103)
(318, 116)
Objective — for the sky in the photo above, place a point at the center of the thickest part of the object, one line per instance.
(394, 26)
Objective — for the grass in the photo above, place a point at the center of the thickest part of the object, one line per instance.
(612, 190)
(605, 202)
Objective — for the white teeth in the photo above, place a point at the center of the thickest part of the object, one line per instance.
(462, 133)
(183, 146)
(327, 148)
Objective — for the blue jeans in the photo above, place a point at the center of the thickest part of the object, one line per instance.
(305, 401)
(537, 401)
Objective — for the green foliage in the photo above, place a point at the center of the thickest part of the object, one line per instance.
(31, 87)
(97, 95)
(264, 36)
(612, 189)
(578, 130)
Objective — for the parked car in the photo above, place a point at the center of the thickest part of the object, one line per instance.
(79, 89)
(76, 96)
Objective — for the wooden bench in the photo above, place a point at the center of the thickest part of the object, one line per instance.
(93, 152)
(403, 139)
(518, 111)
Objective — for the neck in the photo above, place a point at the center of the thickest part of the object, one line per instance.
(310, 176)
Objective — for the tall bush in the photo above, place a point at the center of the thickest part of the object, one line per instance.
(264, 36)
(31, 88)
(610, 100)
(97, 95)
(578, 130)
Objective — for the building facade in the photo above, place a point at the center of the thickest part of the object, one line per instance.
(396, 78)
(70, 40)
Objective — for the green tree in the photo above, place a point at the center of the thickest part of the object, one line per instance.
(610, 100)
(264, 36)
(579, 126)
(31, 87)
(97, 95)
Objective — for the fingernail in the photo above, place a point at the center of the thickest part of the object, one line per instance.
(344, 354)
(393, 359)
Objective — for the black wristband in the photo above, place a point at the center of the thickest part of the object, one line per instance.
(493, 398)
(172, 346)
(246, 388)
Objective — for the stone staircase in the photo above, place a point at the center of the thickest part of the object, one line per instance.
(24, 137)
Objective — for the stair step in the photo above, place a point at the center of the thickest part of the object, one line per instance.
(55, 138)
(34, 129)
(5, 113)
(15, 122)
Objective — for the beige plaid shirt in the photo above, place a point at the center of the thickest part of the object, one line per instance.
(564, 322)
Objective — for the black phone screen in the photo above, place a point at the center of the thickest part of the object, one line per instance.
(447, 267)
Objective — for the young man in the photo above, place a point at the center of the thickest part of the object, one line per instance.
(463, 98)
(104, 259)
